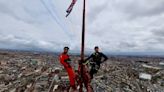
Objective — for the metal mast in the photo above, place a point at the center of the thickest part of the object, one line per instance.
(82, 46)
(83, 34)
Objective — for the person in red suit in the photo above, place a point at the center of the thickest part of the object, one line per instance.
(65, 61)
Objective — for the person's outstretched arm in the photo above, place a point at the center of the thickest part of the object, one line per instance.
(105, 57)
(88, 58)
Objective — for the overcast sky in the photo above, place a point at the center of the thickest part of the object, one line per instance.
(114, 25)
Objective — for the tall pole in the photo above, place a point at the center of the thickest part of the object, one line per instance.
(85, 77)
(82, 47)
(83, 34)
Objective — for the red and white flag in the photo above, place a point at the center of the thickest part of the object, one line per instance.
(70, 7)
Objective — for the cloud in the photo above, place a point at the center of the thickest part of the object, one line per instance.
(12, 42)
(97, 9)
(140, 8)
(158, 32)
(114, 25)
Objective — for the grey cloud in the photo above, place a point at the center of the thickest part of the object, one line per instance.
(108, 25)
(158, 35)
(127, 45)
(158, 32)
(142, 8)
(27, 15)
(160, 40)
(97, 10)
(14, 42)
(6, 10)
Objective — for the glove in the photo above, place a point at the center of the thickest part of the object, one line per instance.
(67, 60)
(69, 66)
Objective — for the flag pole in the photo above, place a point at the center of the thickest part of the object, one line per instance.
(82, 45)
(83, 34)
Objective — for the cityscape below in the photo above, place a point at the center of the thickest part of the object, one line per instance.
(27, 71)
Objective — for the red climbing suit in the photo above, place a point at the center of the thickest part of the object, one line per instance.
(63, 60)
